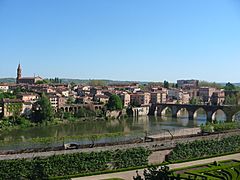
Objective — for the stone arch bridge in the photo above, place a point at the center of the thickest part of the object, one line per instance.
(73, 108)
(210, 110)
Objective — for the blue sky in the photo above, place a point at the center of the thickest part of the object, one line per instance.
(148, 40)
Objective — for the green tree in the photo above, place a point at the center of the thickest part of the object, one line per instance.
(166, 84)
(81, 113)
(231, 100)
(85, 112)
(44, 81)
(17, 91)
(238, 98)
(70, 100)
(155, 173)
(45, 111)
(195, 101)
(16, 111)
(72, 85)
(230, 87)
(97, 83)
(59, 114)
(209, 84)
(114, 103)
(7, 95)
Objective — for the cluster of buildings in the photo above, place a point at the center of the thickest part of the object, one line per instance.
(70, 98)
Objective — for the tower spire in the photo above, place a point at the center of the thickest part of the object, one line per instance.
(19, 73)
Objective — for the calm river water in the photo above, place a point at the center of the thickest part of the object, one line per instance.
(132, 127)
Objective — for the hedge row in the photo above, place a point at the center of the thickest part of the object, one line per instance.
(220, 127)
(205, 148)
(71, 164)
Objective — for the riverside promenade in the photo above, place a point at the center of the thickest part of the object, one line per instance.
(158, 147)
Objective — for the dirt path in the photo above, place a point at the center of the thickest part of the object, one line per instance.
(129, 174)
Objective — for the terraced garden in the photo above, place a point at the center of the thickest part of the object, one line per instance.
(228, 170)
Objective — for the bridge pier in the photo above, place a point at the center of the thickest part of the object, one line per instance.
(229, 117)
(210, 116)
(190, 115)
(174, 111)
(159, 112)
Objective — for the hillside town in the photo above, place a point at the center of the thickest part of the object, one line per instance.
(71, 97)
(119, 90)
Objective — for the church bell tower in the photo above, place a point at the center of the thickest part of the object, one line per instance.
(19, 73)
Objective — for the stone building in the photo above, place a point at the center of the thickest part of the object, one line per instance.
(4, 87)
(96, 91)
(205, 93)
(185, 98)
(26, 80)
(29, 97)
(140, 98)
(218, 97)
(101, 98)
(158, 97)
(53, 98)
(11, 107)
(125, 97)
(188, 84)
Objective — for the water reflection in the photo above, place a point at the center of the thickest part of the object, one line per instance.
(133, 125)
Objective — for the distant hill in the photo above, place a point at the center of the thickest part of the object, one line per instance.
(7, 80)
(76, 81)
(86, 81)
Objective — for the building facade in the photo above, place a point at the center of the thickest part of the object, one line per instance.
(26, 80)
(205, 93)
(11, 107)
(189, 84)
(4, 87)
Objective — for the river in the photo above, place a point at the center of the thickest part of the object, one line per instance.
(129, 128)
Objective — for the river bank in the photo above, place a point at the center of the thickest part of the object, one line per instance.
(158, 147)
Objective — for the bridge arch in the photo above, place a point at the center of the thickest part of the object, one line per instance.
(183, 116)
(236, 116)
(183, 113)
(229, 111)
(219, 115)
(166, 111)
(200, 113)
(75, 109)
(66, 109)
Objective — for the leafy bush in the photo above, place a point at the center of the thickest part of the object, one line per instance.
(84, 112)
(114, 103)
(204, 148)
(71, 164)
(219, 127)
